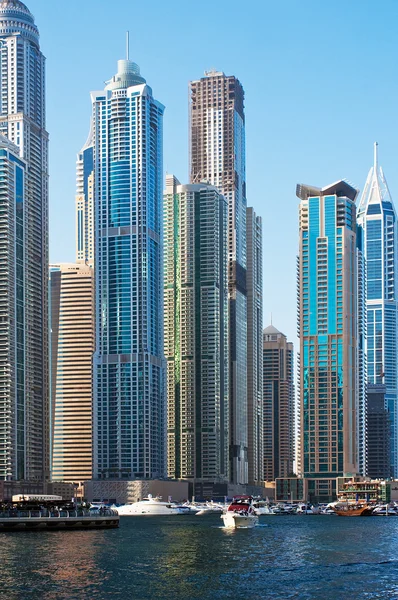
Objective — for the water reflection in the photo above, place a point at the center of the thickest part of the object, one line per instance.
(192, 557)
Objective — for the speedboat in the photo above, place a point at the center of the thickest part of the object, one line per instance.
(151, 506)
(240, 513)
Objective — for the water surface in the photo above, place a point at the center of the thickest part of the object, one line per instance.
(184, 557)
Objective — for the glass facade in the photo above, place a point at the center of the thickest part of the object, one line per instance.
(129, 395)
(196, 332)
(85, 204)
(377, 218)
(327, 329)
(22, 121)
(218, 155)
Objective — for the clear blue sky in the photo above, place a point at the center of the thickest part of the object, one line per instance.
(321, 86)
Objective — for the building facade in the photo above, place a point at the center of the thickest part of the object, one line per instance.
(278, 404)
(217, 156)
(196, 334)
(327, 327)
(22, 121)
(378, 220)
(85, 204)
(71, 357)
(361, 370)
(129, 370)
(254, 236)
(378, 435)
(12, 315)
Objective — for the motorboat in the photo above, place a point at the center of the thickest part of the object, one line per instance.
(383, 510)
(240, 513)
(209, 508)
(265, 508)
(151, 506)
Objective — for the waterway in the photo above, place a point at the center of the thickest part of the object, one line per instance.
(188, 557)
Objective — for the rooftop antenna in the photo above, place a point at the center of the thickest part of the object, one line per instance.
(128, 45)
(271, 318)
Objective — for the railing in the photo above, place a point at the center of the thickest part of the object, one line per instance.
(57, 514)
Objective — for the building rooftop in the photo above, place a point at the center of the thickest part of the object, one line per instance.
(128, 74)
(271, 330)
(340, 189)
(15, 17)
(376, 191)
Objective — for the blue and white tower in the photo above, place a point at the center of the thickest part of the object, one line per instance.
(129, 398)
(24, 412)
(377, 217)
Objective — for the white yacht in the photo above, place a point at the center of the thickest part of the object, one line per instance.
(151, 506)
(240, 513)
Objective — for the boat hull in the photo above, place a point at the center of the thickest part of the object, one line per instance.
(365, 511)
(236, 521)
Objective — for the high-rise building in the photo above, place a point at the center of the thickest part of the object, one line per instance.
(378, 220)
(217, 156)
(361, 369)
(377, 433)
(254, 346)
(71, 357)
(278, 403)
(85, 204)
(196, 334)
(12, 339)
(327, 328)
(22, 121)
(129, 368)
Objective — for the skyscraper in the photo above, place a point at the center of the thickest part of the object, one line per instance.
(85, 204)
(196, 335)
(378, 435)
(254, 236)
(327, 328)
(217, 156)
(278, 364)
(129, 395)
(378, 220)
(22, 121)
(71, 357)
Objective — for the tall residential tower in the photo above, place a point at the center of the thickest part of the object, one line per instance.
(196, 335)
(129, 377)
(217, 156)
(254, 346)
(278, 404)
(85, 204)
(24, 450)
(378, 221)
(327, 295)
(71, 374)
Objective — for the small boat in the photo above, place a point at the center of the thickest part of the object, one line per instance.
(353, 509)
(383, 510)
(152, 506)
(240, 513)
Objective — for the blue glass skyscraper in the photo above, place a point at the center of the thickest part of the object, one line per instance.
(129, 399)
(378, 220)
(327, 291)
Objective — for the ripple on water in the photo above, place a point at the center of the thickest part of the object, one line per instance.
(175, 558)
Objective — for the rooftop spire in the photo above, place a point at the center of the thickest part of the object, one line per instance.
(376, 188)
(376, 155)
(127, 45)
